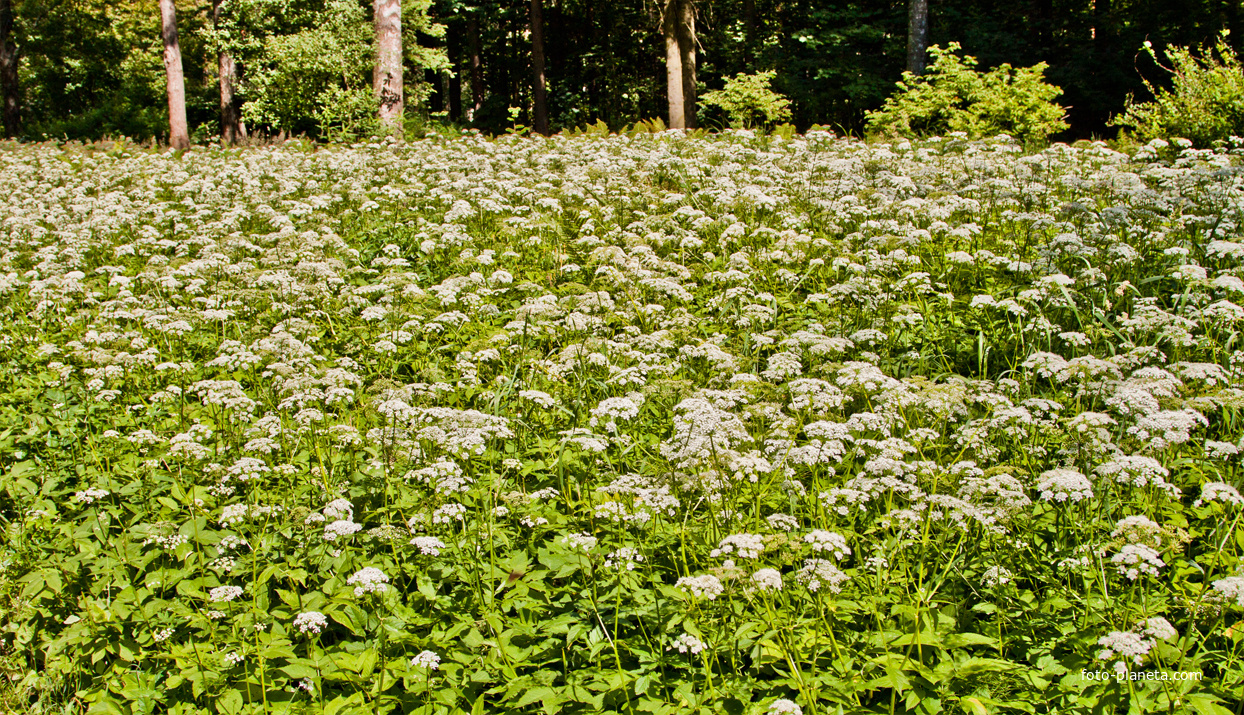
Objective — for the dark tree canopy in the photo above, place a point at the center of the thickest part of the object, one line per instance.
(92, 68)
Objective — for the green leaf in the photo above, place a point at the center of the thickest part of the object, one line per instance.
(343, 704)
(1207, 705)
(961, 640)
(300, 670)
(923, 639)
(534, 694)
(973, 666)
(107, 706)
(367, 662)
(230, 703)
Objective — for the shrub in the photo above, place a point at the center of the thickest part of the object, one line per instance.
(315, 79)
(748, 101)
(1204, 104)
(953, 96)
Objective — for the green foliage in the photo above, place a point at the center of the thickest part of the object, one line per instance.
(748, 101)
(316, 78)
(237, 378)
(308, 63)
(94, 68)
(834, 60)
(655, 125)
(1205, 103)
(91, 68)
(953, 96)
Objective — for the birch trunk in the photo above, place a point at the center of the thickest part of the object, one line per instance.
(917, 35)
(387, 79)
(178, 130)
(673, 65)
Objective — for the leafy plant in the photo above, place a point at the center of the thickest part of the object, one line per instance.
(953, 96)
(314, 78)
(748, 100)
(1204, 104)
(639, 423)
(308, 65)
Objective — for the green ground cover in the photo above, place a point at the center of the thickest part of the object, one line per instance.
(648, 424)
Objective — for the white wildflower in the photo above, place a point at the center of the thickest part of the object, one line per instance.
(1063, 485)
(706, 586)
(224, 593)
(368, 580)
(687, 643)
(310, 622)
(1219, 492)
(830, 541)
(767, 580)
(426, 660)
(1135, 560)
(782, 706)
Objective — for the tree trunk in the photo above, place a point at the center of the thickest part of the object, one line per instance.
(178, 130)
(9, 94)
(477, 69)
(387, 78)
(673, 65)
(917, 35)
(231, 127)
(686, 48)
(540, 109)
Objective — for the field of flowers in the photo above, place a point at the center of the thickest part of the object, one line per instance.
(644, 424)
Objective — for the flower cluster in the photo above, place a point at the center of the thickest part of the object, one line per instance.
(1063, 485)
(706, 586)
(310, 622)
(756, 371)
(369, 580)
(224, 593)
(687, 643)
(427, 660)
(746, 546)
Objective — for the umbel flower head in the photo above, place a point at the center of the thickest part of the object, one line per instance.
(706, 586)
(767, 580)
(310, 622)
(782, 706)
(426, 660)
(369, 580)
(1124, 645)
(1134, 560)
(687, 643)
(1063, 485)
(224, 593)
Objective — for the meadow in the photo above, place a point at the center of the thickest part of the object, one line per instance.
(643, 423)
